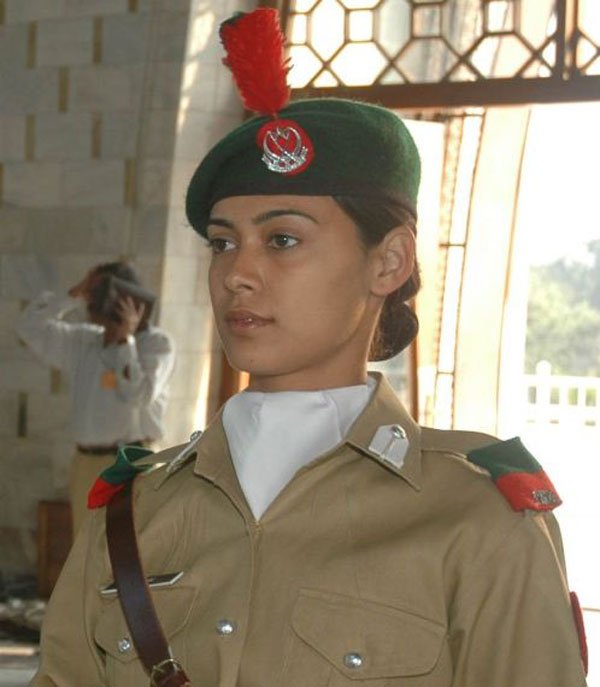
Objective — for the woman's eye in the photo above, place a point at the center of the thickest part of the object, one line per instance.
(220, 245)
(283, 241)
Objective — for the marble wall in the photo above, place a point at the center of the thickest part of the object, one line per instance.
(106, 107)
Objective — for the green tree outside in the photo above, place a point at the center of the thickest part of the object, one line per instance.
(563, 319)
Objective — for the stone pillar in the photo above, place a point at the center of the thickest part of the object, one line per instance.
(208, 108)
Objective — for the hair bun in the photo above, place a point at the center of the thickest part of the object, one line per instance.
(398, 327)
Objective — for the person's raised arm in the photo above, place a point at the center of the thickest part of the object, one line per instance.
(41, 327)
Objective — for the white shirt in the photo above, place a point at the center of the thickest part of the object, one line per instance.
(119, 392)
(272, 435)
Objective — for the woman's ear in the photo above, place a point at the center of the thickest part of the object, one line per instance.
(394, 261)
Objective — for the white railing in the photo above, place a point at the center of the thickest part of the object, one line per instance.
(561, 399)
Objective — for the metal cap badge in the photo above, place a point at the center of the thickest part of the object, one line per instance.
(255, 54)
(287, 148)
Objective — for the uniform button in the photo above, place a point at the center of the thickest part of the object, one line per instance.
(123, 645)
(353, 660)
(225, 627)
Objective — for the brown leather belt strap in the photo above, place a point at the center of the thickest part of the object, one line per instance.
(134, 595)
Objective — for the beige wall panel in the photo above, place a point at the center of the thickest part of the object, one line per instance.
(165, 91)
(32, 184)
(27, 91)
(179, 280)
(64, 41)
(101, 88)
(13, 44)
(125, 39)
(32, 10)
(47, 415)
(80, 8)
(161, 127)
(183, 241)
(119, 130)
(153, 183)
(171, 5)
(173, 24)
(12, 138)
(77, 231)
(19, 373)
(63, 136)
(96, 182)
(193, 134)
(8, 406)
(9, 311)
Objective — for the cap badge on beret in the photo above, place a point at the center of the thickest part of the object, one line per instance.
(254, 44)
(287, 148)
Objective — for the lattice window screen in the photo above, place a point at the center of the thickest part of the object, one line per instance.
(385, 43)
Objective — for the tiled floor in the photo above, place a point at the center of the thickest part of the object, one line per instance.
(17, 672)
(18, 654)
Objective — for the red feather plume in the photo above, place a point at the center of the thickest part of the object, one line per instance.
(254, 44)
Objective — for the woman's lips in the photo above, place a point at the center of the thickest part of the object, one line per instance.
(245, 320)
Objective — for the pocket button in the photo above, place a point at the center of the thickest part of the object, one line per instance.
(353, 660)
(225, 627)
(123, 645)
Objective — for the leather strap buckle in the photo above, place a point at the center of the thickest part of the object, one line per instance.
(163, 672)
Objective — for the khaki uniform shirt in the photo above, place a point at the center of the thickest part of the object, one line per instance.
(358, 574)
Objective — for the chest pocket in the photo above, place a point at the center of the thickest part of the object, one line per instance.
(348, 639)
(173, 608)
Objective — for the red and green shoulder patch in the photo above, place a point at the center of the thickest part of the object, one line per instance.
(115, 477)
(518, 475)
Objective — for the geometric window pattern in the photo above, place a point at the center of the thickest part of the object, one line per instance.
(366, 43)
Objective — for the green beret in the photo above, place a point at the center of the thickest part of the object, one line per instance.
(321, 147)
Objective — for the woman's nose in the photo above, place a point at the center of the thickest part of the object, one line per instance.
(243, 273)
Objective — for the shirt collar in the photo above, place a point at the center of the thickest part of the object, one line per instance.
(213, 461)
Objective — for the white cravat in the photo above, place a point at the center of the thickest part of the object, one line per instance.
(272, 435)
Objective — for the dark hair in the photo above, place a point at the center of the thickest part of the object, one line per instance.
(122, 270)
(99, 293)
(398, 325)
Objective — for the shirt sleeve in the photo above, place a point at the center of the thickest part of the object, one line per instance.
(144, 367)
(512, 622)
(41, 327)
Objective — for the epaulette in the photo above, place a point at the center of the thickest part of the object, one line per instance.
(126, 467)
(114, 478)
(517, 474)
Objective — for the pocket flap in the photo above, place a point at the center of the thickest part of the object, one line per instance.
(385, 641)
(173, 607)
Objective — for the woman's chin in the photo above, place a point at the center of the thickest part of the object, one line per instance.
(253, 366)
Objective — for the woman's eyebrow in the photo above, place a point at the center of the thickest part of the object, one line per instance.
(217, 221)
(270, 214)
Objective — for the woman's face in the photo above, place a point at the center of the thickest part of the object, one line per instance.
(290, 283)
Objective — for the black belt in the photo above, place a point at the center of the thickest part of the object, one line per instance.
(108, 450)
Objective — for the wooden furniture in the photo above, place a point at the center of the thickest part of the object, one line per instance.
(55, 536)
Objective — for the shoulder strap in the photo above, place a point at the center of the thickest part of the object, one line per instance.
(134, 595)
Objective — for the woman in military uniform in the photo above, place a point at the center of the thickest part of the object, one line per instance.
(314, 535)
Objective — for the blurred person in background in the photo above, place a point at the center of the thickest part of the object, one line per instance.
(118, 365)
